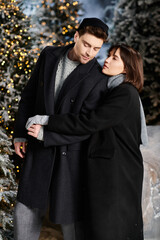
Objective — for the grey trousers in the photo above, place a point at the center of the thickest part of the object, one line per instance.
(28, 223)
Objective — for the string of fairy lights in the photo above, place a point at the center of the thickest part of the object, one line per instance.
(18, 57)
(13, 57)
(65, 9)
(13, 37)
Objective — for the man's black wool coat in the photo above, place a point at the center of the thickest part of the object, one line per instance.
(51, 173)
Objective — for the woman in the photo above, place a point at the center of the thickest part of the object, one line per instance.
(114, 164)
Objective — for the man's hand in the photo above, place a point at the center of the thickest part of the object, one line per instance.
(34, 130)
(20, 148)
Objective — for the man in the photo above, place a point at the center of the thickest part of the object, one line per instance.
(65, 79)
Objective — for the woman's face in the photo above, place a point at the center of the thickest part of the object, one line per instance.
(113, 65)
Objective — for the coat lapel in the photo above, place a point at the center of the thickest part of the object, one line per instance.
(51, 61)
(73, 79)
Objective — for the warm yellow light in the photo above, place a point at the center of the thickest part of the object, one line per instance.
(75, 3)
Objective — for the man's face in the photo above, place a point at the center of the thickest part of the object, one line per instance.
(86, 47)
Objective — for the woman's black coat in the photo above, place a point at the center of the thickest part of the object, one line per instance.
(51, 173)
(114, 172)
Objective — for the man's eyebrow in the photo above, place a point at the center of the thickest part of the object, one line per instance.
(86, 42)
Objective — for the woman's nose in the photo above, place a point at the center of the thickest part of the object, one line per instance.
(106, 61)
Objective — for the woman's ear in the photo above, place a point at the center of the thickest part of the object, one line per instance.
(124, 71)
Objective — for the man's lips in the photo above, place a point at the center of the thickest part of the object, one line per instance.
(85, 58)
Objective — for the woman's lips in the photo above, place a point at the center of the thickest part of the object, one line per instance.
(105, 66)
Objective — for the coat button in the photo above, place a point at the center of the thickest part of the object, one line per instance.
(72, 100)
(64, 153)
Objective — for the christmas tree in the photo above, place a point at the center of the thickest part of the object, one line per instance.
(16, 59)
(8, 188)
(136, 23)
(56, 21)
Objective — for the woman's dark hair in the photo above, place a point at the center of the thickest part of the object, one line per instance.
(133, 64)
(96, 31)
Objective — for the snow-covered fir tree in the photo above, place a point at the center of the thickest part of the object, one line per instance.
(16, 59)
(55, 21)
(8, 188)
(136, 23)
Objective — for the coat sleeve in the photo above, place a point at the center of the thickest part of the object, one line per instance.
(91, 102)
(26, 106)
(114, 109)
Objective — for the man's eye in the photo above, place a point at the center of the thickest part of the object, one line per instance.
(85, 44)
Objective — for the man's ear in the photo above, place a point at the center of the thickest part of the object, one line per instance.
(76, 36)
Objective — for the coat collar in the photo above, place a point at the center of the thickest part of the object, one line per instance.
(52, 59)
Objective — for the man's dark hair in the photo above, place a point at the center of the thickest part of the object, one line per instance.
(96, 31)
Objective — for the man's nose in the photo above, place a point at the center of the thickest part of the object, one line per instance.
(89, 51)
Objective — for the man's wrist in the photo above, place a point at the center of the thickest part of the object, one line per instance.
(19, 140)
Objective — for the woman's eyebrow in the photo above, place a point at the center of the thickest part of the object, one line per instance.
(115, 55)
